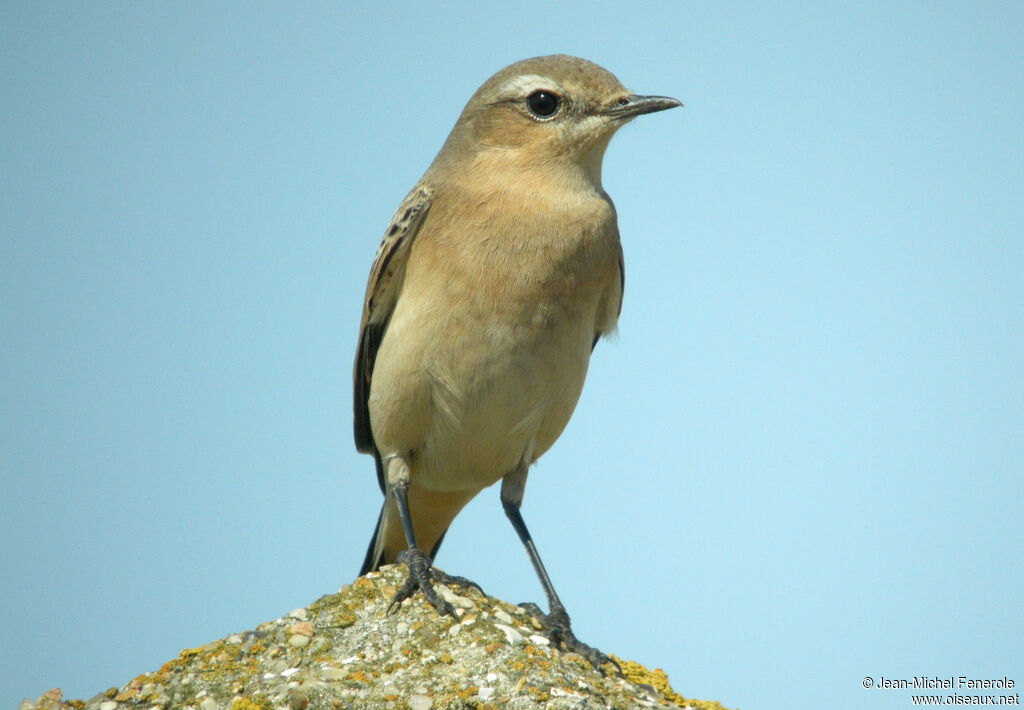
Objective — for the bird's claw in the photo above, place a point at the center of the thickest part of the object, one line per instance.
(422, 577)
(558, 629)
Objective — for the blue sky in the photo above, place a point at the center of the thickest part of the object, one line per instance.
(798, 464)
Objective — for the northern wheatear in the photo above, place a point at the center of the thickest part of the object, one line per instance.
(494, 281)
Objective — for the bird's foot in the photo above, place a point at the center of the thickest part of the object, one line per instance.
(422, 577)
(558, 629)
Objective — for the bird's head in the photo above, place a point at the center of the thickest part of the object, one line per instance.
(547, 112)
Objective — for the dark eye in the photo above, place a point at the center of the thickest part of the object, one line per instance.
(543, 104)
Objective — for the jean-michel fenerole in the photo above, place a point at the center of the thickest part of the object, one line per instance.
(957, 682)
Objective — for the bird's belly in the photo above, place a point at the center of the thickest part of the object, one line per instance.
(497, 402)
(484, 359)
(467, 396)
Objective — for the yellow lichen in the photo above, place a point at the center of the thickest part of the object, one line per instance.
(358, 676)
(537, 694)
(365, 586)
(467, 692)
(658, 679)
(328, 600)
(343, 617)
(256, 702)
(172, 666)
(539, 656)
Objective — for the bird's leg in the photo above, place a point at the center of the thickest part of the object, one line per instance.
(422, 574)
(556, 623)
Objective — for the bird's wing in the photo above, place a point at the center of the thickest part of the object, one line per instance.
(382, 294)
(612, 307)
(622, 282)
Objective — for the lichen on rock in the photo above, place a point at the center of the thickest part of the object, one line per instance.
(345, 651)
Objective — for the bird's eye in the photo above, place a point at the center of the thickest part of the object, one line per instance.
(543, 104)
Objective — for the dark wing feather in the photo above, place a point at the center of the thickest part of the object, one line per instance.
(382, 293)
(622, 289)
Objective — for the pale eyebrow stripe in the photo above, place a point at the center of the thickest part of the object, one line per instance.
(525, 83)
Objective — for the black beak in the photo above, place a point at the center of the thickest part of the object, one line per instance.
(636, 105)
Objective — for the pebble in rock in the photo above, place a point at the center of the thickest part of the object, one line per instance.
(303, 628)
(459, 602)
(503, 616)
(331, 673)
(419, 702)
(512, 635)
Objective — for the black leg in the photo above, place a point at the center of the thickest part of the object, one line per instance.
(516, 518)
(557, 622)
(421, 574)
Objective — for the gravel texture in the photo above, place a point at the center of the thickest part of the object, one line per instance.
(344, 651)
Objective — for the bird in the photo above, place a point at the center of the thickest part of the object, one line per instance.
(494, 281)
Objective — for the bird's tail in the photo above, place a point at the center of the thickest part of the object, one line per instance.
(380, 553)
(432, 514)
(375, 552)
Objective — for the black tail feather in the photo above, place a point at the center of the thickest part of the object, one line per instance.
(373, 560)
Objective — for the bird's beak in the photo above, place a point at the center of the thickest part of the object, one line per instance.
(635, 105)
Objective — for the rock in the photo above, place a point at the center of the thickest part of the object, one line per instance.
(331, 673)
(303, 628)
(503, 616)
(459, 602)
(345, 651)
(511, 635)
(419, 702)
